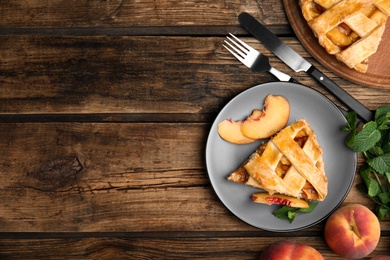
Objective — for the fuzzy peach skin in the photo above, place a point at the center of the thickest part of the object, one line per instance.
(285, 250)
(352, 231)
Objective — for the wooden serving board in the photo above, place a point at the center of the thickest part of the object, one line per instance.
(378, 73)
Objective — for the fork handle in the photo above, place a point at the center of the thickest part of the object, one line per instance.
(280, 75)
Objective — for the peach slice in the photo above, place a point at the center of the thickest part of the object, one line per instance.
(264, 197)
(230, 131)
(273, 118)
(256, 113)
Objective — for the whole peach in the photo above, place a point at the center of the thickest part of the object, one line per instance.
(352, 231)
(284, 250)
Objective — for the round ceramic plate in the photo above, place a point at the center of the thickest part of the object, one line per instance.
(324, 117)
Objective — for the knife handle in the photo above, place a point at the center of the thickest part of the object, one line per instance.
(294, 81)
(343, 111)
(366, 114)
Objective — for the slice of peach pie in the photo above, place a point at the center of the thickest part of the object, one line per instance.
(349, 29)
(289, 164)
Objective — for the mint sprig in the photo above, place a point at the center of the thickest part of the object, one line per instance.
(289, 213)
(373, 140)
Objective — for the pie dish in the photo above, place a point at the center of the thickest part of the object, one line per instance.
(377, 74)
(290, 163)
(223, 157)
(349, 29)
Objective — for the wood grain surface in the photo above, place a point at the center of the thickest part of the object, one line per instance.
(114, 13)
(105, 109)
(138, 74)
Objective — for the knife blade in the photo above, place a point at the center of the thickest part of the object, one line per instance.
(298, 63)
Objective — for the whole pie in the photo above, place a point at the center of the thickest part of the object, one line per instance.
(349, 29)
(290, 163)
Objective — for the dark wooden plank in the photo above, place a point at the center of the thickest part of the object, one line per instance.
(83, 13)
(106, 117)
(281, 30)
(104, 177)
(112, 177)
(101, 75)
(155, 248)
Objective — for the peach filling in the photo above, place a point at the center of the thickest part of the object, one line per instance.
(342, 35)
(308, 192)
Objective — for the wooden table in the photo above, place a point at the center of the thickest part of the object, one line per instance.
(104, 115)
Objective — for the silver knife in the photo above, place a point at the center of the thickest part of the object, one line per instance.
(298, 63)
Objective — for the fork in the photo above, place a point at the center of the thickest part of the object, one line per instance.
(256, 61)
(253, 59)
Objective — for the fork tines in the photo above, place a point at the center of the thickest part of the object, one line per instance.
(242, 51)
(252, 58)
(236, 47)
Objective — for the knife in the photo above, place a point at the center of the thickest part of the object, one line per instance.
(298, 63)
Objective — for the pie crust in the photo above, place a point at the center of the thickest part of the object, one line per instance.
(349, 29)
(290, 163)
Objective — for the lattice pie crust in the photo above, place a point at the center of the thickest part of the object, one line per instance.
(349, 29)
(290, 163)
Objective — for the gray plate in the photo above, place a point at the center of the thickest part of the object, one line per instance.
(326, 120)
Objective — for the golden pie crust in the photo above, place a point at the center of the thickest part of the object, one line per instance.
(349, 29)
(290, 163)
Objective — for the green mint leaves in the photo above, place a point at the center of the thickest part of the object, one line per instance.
(373, 140)
(289, 213)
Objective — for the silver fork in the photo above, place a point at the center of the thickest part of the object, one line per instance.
(255, 60)
(252, 58)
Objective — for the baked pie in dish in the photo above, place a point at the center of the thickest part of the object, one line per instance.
(290, 163)
(349, 29)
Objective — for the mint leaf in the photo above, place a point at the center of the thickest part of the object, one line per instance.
(372, 185)
(380, 163)
(374, 152)
(385, 142)
(383, 122)
(382, 212)
(351, 127)
(381, 111)
(382, 117)
(384, 197)
(311, 207)
(283, 213)
(363, 188)
(351, 122)
(290, 213)
(366, 138)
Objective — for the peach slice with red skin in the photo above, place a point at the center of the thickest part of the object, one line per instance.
(230, 130)
(273, 118)
(265, 198)
(260, 124)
